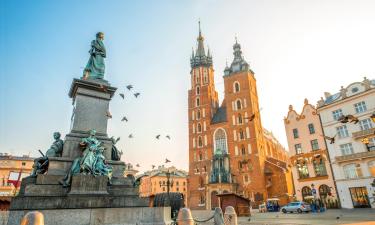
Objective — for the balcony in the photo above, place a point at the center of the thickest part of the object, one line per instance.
(355, 156)
(363, 133)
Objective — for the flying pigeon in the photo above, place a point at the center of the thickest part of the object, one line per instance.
(353, 119)
(124, 119)
(109, 115)
(131, 136)
(169, 137)
(167, 160)
(137, 165)
(331, 139)
(122, 95)
(153, 166)
(137, 94)
(158, 136)
(129, 87)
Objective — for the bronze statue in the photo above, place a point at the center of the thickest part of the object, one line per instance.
(115, 154)
(95, 66)
(41, 164)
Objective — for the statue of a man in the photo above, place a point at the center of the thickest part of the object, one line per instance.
(41, 164)
(95, 66)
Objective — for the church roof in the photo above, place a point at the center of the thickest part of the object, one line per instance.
(220, 116)
(239, 63)
(200, 58)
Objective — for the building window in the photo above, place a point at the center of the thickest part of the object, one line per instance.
(199, 128)
(295, 133)
(205, 77)
(314, 144)
(365, 124)
(220, 141)
(202, 200)
(238, 104)
(197, 102)
(200, 156)
(319, 167)
(23, 163)
(346, 149)
(236, 87)
(360, 107)
(371, 168)
(298, 148)
(311, 128)
(163, 188)
(243, 150)
(239, 119)
(342, 131)
(200, 142)
(242, 135)
(352, 171)
(302, 169)
(246, 178)
(197, 78)
(337, 114)
(198, 90)
(306, 191)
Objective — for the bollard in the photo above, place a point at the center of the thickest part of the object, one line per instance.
(218, 216)
(33, 218)
(184, 217)
(230, 216)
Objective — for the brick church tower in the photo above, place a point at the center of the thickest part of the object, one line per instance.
(227, 145)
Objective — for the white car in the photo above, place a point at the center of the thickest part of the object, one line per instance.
(296, 207)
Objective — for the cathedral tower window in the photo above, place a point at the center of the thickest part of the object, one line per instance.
(198, 91)
(242, 136)
(220, 138)
(239, 119)
(243, 150)
(199, 128)
(238, 104)
(236, 87)
(200, 142)
(198, 114)
(200, 156)
(197, 102)
(205, 77)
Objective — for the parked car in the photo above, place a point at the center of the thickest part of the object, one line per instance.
(296, 207)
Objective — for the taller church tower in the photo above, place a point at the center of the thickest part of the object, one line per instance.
(203, 102)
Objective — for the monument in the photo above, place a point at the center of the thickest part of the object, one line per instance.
(80, 180)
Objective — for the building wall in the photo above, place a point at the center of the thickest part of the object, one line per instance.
(360, 158)
(307, 154)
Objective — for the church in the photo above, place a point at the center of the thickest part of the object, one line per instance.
(229, 150)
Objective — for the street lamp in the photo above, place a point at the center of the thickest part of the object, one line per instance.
(169, 185)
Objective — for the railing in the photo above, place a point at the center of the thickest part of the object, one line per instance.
(229, 218)
(354, 156)
(363, 133)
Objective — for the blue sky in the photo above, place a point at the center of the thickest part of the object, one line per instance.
(297, 49)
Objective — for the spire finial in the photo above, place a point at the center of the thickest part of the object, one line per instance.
(235, 37)
(199, 24)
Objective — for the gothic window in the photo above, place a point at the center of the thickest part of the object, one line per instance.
(198, 91)
(243, 150)
(200, 142)
(238, 104)
(197, 78)
(200, 156)
(201, 182)
(197, 102)
(220, 138)
(236, 87)
(198, 114)
(199, 128)
(205, 77)
(239, 119)
(242, 135)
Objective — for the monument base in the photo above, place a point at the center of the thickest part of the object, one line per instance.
(96, 216)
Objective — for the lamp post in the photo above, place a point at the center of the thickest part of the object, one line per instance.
(169, 185)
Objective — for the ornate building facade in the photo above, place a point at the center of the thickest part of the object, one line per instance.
(352, 155)
(312, 174)
(227, 143)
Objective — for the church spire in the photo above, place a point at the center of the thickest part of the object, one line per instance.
(200, 58)
(239, 63)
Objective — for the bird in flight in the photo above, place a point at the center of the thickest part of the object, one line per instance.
(130, 136)
(169, 137)
(167, 160)
(252, 116)
(137, 94)
(108, 114)
(331, 139)
(129, 87)
(153, 166)
(124, 119)
(122, 95)
(137, 165)
(348, 118)
(158, 136)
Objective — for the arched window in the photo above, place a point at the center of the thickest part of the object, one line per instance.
(242, 135)
(197, 102)
(201, 182)
(200, 142)
(197, 78)
(202, 200)
(200, 156)
(306, 191)
(243, 150)
(199, 128)
(319, 167)
(324, 190)
(238, 104)
(371, 167)
(198, 90)
(236, 87)
(303, 171)
(239, 119)
(198, 114)
(220, 138)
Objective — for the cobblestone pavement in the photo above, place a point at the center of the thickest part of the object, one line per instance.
(331, 217)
